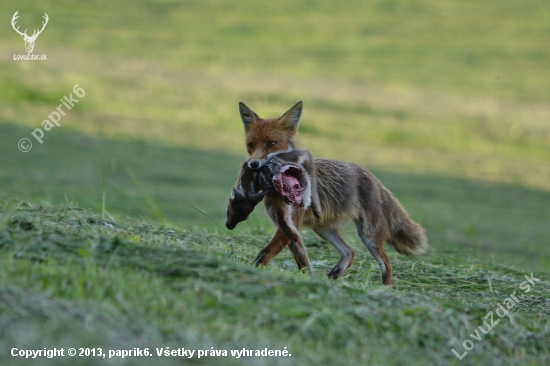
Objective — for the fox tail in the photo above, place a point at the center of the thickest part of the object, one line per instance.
(406, 236)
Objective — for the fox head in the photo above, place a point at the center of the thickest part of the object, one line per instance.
(241, 206)
(267, 136)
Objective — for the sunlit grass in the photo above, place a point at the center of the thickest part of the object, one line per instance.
(445, 88)
(405, 131)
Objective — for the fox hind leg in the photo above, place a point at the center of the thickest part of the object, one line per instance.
(332, 235)
(375, 245)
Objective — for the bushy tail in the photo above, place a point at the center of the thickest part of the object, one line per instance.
(406, 236)
(410, 238)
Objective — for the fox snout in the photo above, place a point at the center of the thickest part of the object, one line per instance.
(254, 164)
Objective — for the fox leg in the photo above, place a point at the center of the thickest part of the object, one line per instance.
(288, 220)
(277, 243)
(386, 277)
(375, 245)
(300, 256)
(286, 234)
(332, 235)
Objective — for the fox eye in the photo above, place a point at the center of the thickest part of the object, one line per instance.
(250, 145)
(271, 143)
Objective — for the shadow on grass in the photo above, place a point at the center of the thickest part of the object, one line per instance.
(502, 223)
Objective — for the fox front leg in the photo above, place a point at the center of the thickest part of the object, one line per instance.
(277, 243)
(287, 221)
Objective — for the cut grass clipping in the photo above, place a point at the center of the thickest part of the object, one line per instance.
(71, 279)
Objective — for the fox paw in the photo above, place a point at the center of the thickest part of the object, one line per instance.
(259, 259)
(336, 272)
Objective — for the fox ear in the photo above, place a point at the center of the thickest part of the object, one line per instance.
(247, 115)
(291, 119)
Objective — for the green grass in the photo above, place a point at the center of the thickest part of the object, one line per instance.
(446, 102)
(408, 88)
(88, 282)
(497, 223)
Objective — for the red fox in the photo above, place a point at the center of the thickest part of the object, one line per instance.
(346, 192)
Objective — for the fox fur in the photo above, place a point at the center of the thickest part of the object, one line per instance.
(252, 185)
(347, 192)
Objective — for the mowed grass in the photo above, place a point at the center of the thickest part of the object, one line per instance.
(88, 282)
(462, 142)
(111, 231)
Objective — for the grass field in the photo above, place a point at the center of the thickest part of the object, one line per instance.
(132, 284)
(446, 102)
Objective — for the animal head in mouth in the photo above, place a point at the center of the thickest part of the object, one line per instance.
(290, 183)
(241, 204)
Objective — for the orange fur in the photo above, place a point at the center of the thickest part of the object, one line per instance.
(266, 136)
(259, 136)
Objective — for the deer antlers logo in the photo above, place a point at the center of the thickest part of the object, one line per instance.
(29, 41)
